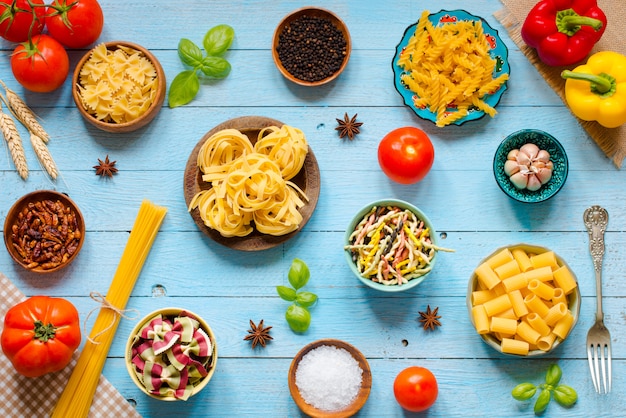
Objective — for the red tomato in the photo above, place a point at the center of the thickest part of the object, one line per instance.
(40, 335)
(16, 17)
(415, 389)
(75, 23)
(40, 66)
(406, 155)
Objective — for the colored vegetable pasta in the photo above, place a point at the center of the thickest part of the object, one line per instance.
(117, 86)
(250, 184)
(172, 355)
(449, 69)
(392, 246)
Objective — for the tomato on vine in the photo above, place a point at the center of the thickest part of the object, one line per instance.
(75, 23)
(18, 20)
(41, 64)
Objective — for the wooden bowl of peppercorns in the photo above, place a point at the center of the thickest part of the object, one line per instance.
(44, 231)
(311, 46)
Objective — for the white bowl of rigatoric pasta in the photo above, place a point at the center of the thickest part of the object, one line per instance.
(119, 86)
(375, 243)
(523, 300)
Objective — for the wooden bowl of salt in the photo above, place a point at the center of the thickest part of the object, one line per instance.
(325, 364)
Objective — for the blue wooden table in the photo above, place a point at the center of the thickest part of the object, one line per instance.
(228, 288)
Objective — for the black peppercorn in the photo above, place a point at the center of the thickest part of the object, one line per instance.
(311, 48)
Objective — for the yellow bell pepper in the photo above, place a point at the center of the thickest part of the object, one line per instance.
(596, 91)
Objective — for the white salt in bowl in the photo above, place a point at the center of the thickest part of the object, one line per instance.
(362, 395)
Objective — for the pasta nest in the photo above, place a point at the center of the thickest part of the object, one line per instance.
(251, 183)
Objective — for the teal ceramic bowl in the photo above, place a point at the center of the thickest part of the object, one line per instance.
(544, 141)
(497, 50)
(350, 257)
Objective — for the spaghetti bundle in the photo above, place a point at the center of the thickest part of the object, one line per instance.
(77, 396)
(251, 184)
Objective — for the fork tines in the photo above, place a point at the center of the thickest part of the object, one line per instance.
(601, 353)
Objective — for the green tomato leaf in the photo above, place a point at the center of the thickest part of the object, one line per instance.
(553, 375)
(298, 318)
(524, 391)
(184, 88)
(306, 299)
(286, 293)
(218, 39)
(565, 395)
(298, 273)
(189, 53)
(542, 401)
(215, 67)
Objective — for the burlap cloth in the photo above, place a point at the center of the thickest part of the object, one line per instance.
(25, 397)
(512, 16)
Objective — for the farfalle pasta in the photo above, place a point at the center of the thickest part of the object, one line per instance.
(117, 85)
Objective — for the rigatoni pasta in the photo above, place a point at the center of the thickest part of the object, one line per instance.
(522, 307)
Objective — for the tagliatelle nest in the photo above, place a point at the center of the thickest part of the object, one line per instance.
(117, 86)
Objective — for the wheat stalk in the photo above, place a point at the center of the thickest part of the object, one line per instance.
(44, 156)
(12, 136)
(24, 113)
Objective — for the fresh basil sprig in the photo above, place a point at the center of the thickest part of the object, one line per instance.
(563, 394)
(210, 63)
(298, 316)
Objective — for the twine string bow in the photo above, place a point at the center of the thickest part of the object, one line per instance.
(117, 312)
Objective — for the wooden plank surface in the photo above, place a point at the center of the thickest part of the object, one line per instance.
(228, 287)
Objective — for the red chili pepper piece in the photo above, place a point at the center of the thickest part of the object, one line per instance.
(563, 31)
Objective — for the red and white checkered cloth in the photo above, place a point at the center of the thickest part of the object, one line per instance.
(27, 397)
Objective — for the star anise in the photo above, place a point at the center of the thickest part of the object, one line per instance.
(430, 319)
(105, 168)
(258, 334)
(348, 126)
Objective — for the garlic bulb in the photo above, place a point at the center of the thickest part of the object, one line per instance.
(528, 167)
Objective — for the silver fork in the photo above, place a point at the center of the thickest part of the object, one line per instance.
(596, 219)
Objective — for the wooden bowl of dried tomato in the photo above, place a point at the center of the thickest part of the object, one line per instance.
(311, 46)
(44, 231)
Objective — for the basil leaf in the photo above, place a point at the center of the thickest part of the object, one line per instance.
(286, 293)
(565, 395)
(306, 299)
(184, 88)
(524, 391)
(553, 375)
(298, 318)
(542, 401)
(218, 39)
(298, 273)
(189, 53)
(215, 67)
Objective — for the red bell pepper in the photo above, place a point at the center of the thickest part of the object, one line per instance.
(563, 31)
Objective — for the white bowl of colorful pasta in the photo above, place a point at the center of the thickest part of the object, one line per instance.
(390, 245)
(523, 300)
(119, 86)
(171, 354)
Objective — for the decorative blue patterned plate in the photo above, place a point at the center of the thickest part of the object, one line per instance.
(498, 51)
(544, 141)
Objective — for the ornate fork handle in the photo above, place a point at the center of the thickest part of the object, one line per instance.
(596, 219)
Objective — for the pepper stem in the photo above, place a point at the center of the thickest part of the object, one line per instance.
(43, 332)
(569, 22)
(601, 84)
